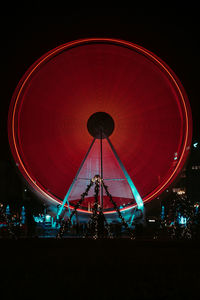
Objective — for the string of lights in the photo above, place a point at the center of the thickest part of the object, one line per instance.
(65, 224)
(107, 226)
(117, 210)
(95, 210)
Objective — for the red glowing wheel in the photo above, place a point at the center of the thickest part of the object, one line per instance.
(52, 103)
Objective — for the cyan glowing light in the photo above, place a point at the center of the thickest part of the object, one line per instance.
(182, 220)
(132, 218)
(136, 195)
(175, 156)
(162, 212)
(48, 218)
(7, 210)
(66, 200)
(23, 215)
(195, 145)
(38, 219)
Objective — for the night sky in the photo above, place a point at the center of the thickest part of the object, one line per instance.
(25, 39)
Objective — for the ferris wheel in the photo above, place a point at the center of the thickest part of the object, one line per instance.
(100, 110)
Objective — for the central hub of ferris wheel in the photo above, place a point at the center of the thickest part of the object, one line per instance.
(100, 125)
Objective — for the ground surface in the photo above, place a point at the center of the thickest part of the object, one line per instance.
(101, 269)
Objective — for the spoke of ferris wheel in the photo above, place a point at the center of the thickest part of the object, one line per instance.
(135, 193)
(71, 186)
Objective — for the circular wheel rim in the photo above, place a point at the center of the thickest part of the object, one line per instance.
(14, 110)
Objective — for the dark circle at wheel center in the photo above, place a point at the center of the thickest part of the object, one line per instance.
(100, 125)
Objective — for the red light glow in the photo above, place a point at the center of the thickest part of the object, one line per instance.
(51, 105)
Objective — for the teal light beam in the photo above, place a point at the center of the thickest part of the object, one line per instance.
(136, 195)
(71, 186)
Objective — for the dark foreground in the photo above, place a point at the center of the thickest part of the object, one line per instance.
(99, 269)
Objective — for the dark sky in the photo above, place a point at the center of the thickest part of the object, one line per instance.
(174, 39)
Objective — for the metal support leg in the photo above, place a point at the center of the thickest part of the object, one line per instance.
(69, 191)
(136, 195)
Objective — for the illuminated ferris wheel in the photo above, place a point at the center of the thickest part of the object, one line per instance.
(99, 107)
